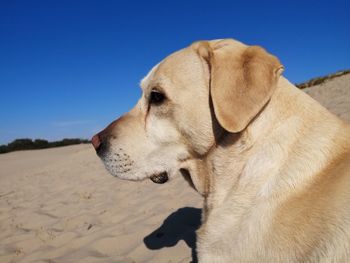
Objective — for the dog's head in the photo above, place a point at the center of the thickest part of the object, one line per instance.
(188, 100)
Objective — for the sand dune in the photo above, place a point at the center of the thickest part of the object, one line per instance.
(334, 95)
(60, 205)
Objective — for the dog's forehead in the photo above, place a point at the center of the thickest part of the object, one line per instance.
(145, 82)
(177, 67)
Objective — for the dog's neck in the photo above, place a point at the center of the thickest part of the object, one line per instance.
(253, 163)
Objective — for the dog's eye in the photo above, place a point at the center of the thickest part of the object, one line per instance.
(156, 97)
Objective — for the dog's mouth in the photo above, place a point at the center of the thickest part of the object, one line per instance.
(160, 178)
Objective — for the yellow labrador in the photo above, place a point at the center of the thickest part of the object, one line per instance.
(272, 164)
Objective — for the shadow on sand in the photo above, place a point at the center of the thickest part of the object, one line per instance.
(180, 225)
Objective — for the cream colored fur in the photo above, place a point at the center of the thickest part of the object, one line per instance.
(272, 164)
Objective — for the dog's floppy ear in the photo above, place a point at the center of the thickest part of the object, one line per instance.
(243, 79)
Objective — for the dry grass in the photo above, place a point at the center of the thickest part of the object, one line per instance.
(320, 80)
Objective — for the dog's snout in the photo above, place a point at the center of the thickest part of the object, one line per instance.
(100, 144)
(100, 141)
(96, 141)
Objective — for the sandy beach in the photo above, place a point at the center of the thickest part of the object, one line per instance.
(60, 205)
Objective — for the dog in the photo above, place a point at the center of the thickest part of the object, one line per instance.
(272, 164)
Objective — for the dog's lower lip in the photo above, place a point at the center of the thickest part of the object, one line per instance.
(160, 178)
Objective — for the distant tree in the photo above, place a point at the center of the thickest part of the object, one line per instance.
(41, 144)
(21, 144)
(3, 149)
(71, 141)
(29, 144)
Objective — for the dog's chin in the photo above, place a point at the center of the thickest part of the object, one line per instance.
(132, 175)
(160, 178)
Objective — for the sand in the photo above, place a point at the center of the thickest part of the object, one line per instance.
(60, 205)
(334, 95)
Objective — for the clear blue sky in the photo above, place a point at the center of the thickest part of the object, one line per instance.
(68, 68)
